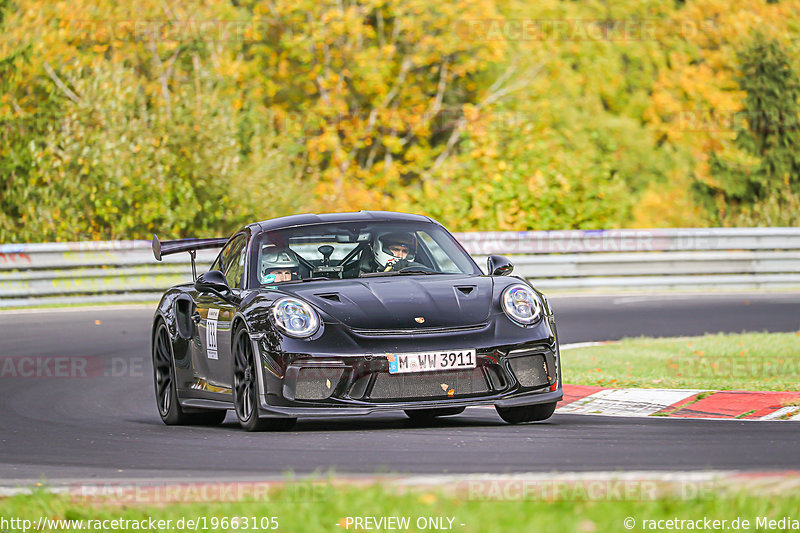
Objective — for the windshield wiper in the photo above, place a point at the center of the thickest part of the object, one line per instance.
(317, 278)
(399, 273)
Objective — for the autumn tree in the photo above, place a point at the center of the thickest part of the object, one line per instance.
(767, 169)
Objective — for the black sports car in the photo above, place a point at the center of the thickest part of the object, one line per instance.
(350, 313)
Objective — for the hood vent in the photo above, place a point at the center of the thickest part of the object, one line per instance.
(332, 297)
(466, 290)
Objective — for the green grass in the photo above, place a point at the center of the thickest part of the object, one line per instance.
(321, 509)
(749, 361)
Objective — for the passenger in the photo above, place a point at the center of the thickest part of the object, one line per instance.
(278, 266)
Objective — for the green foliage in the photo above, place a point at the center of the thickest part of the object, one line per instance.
(128, 170)
(763, 171)
(17, 133)
(116, 148)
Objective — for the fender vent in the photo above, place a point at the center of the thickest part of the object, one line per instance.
(466, 291)
(184, 307)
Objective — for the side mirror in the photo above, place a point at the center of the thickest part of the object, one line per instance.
(497, 265)
(213, 281)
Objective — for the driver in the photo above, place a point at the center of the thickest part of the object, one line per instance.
(394, 251)
(278, 266)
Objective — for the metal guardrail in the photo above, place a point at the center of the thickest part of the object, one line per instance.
(748, 258)
(648, 259)
(87, 272)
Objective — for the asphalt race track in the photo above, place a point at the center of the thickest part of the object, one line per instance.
(105, 426)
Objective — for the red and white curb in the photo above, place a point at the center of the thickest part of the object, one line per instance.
(680, 403)
(677, 403)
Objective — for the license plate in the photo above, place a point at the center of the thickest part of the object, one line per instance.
(402, 363)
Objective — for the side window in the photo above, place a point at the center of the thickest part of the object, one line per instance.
(444, 263)
(235, 271)
(217, 265)
(231, 261)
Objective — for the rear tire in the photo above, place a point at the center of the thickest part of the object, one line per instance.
(526, 413)
(245, 388)
(169, 408)
(428, 415)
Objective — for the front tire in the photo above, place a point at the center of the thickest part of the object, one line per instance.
(245, 388)
(169, 408)
(526, 413)
(428, 415)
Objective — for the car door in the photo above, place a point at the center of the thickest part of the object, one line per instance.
(216, 315)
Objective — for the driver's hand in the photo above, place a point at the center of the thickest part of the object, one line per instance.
(396, 264)
(391, 264)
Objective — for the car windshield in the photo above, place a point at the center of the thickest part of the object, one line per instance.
(358, 249)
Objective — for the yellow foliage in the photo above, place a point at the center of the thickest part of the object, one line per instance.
(667, 207)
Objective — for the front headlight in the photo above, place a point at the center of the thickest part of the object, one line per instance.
(521, 304)
(295, 317)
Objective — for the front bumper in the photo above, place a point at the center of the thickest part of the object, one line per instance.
(525, 370)
(268, 410)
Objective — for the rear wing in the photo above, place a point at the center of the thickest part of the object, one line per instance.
(161, 249)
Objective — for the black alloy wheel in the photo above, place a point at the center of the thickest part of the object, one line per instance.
(245, 388)
(169, 408)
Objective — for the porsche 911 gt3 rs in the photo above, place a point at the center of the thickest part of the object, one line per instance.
(348, 314)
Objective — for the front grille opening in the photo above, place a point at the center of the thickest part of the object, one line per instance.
(530, 370)
(317, 383)
(432, 385)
